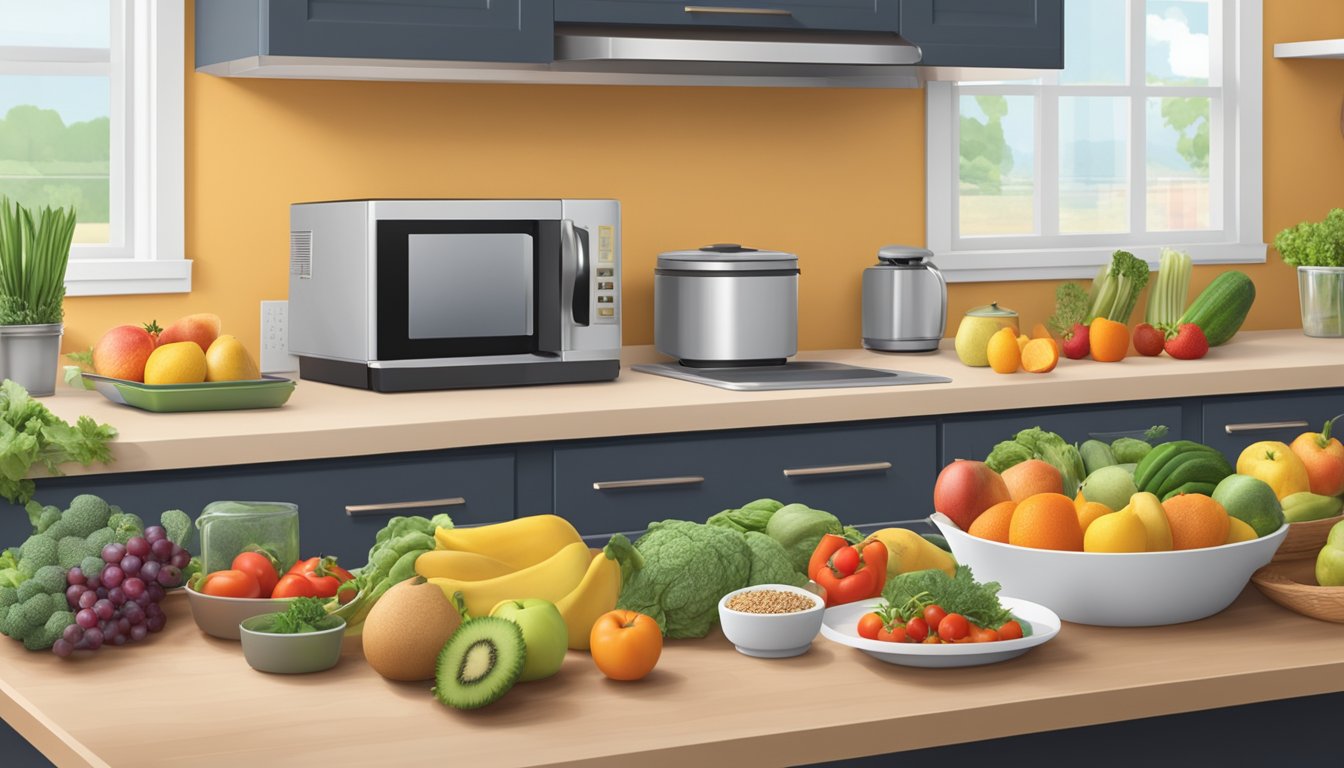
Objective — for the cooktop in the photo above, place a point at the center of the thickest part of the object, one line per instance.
(799, 375)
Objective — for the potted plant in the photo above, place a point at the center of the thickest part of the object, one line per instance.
(1317, 250)
(34, 251)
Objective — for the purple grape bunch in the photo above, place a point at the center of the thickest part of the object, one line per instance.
(121, 604)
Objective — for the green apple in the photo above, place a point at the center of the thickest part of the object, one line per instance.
(544, 634)
(1252, 501)
(1112, 486)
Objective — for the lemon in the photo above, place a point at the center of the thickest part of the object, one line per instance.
(1121, 531)
(1240, 530)
(228, 360)
(181, 362)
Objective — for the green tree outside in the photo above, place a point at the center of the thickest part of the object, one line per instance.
(985, 156)
(44, 162)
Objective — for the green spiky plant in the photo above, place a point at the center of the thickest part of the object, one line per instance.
(34, 252)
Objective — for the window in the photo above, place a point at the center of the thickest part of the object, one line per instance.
(91, 116)
(1149, 137)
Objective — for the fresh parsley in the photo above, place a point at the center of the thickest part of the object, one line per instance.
(979, 603)
(305, 614)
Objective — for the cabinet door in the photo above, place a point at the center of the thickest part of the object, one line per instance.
(473, 488)
(445, 30)
(847, 15)
(986, 33)
(1232, 423)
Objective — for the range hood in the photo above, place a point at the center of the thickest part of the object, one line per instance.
(605, 55)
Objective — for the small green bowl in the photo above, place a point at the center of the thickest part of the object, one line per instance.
(290, 654)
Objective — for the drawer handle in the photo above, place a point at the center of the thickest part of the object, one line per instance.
(609, 485)
(877, 466)
(1233, 429)
(355, 510)
(738, 11)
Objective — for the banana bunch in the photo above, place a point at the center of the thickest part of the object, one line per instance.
(1181, 466)
(540, 556)
(1154, 518)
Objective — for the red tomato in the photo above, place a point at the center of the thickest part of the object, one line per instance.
(625, 644)
(934, 614)
(893, 635)
(1010, 631)
(323, 573)
(983, 635)
(260, 567)
(294, 585)
(846, 561)
(869, 625)
(917, 629)
(231, 583)
(954, 626)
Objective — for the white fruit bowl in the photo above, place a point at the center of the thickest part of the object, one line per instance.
(1139, 589)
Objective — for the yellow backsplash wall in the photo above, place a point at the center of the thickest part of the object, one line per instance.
(829, 174)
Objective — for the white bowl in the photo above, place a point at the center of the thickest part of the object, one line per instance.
(1137, 589)
(220, 616)
(771, 635)
(841, 625)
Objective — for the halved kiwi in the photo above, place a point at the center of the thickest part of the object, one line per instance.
(479, 663)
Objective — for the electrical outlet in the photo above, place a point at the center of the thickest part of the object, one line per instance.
(275, 357)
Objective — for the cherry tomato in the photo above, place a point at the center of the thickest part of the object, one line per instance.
(1011, 630)
(983, 635)
(231, 583)
(625, 644)
(869, 625)
(324, 574)
(954, 626)
(892, 635)
(846, 561)
(261, 568)
(934, 614)
(917, 629)
(294, 585)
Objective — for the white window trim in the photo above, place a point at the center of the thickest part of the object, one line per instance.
(1242, 80)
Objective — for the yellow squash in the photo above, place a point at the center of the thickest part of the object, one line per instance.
(594, 596)
(908, 551)
(520, 543)
(550, 579)
(467, 566)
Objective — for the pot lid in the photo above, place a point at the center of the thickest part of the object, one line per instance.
(727, 257)
(991, 310)
(905, 256)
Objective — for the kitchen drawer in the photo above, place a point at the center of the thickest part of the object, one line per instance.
(842, 15)
(622, 485)
(322, 489)
(973, 436)
(1269, 416)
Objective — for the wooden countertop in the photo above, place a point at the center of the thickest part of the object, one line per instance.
(323, 421)
(704, 704)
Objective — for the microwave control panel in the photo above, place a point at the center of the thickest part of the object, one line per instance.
(606, 277)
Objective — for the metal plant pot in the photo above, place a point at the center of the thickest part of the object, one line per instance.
(29, 355)
(1321, 292)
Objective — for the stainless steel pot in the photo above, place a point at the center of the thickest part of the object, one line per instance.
(904, 301)
(725, 305)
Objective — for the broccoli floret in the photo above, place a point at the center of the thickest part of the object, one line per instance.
(37, 552)
(126, 525)
(27, 589)
(32, 613)
(101, 538)
(177, 525)
(7, 627)
(45, 636)
(8, 596)
(50, 578)
(50, 516)
(72, 549)
(87, 513)
(91, 566)
(60, 529)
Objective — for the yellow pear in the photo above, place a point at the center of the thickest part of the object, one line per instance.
(228, 360)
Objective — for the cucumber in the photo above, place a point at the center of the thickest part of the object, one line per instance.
(1096, 455)
(1200, 469)
(1221, 308)
(1154, 468)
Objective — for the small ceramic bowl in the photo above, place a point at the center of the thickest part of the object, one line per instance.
(772, 635)
(219, 616)
(290, 654)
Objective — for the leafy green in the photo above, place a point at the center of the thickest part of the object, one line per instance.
(1117, 286)
(1314, 244)
(770, 563)
(82, 359)
(305, 614)
(1071, 306)
(678, 571)
(31, 434)
(751, 517)
(1129, 450)
(391, 560)
(799, 528)
(979, 603)
(1007, 454)
(1155, 433)
(1036, 443)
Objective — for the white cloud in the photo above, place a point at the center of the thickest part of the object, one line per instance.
(1187, 52)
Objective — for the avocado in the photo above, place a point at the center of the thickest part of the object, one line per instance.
(479, 663)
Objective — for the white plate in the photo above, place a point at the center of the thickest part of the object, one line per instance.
(840, 625)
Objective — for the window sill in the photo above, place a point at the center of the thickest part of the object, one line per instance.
(1075, 263)
(116, 277)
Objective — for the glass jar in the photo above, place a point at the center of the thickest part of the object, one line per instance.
(230, 527)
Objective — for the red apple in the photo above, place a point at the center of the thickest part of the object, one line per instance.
(121, 353)
(201, 328)
(1323, 456)
(967, 488)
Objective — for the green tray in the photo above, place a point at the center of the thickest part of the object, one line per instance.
(266, 392)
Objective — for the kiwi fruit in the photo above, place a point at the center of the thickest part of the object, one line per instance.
(479, 663)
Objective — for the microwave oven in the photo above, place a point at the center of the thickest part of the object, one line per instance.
(399, 295)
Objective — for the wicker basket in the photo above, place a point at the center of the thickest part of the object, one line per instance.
(1305, 539)
(1293, 585)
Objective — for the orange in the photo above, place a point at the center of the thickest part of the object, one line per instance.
(1079, 500)
(1196, 521)
(1039, 331)
(993, 523)
(1005, 356)
(1109, 340)
(1040, 355)
(1089, 511)
(1046, 521)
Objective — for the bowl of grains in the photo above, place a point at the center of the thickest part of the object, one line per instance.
(771, 621)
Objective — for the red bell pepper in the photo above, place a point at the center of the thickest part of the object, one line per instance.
(848, 572)
(323, 573)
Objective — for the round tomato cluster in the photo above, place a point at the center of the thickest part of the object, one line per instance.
(256, 574)
(931, 625)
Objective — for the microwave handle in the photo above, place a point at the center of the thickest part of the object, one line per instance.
(574, 243)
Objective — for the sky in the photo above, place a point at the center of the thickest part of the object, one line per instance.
(56, 23)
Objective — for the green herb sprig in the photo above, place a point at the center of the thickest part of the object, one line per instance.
(34, 254)
(305, 614)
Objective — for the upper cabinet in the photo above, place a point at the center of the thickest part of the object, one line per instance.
(833, 15)
(431, 30)
(986, 33)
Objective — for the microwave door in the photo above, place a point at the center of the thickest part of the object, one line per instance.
(575, 275)
(470, 285)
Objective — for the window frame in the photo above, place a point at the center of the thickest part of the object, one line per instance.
(144, 64)
(1049, 255)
